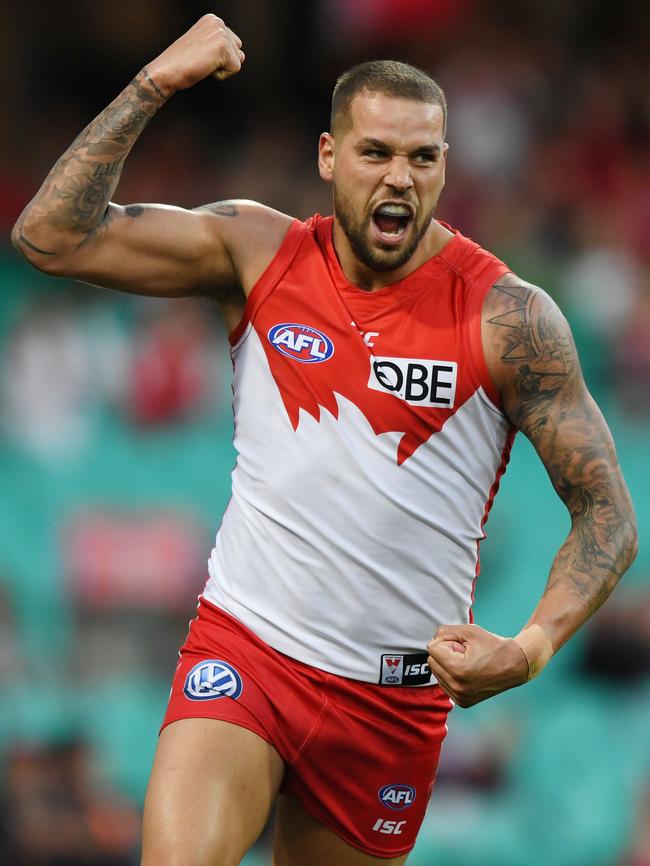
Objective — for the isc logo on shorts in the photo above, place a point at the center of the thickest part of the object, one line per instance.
(397, 797)
(300, 342)
(212, 679)
(417, 381)
(388, 827)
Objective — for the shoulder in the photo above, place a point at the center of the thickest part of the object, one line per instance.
(528, 346)
(251, 233)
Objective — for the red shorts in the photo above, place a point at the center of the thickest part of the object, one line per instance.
(360, 757)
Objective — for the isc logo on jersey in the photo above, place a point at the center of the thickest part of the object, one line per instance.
(417, 381)
(212, 679)
(301, 342)
(397, 797)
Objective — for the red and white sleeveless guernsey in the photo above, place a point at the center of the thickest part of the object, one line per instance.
(370, 446)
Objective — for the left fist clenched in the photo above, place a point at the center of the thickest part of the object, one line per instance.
(472, 664)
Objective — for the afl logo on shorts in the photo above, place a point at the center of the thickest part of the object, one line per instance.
(212, 679)
(302, 343)
(397, 797)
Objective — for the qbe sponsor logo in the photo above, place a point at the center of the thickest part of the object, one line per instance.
(390, 828)
(212, 679)
(397, 797)
(301, 342)
(417, 381)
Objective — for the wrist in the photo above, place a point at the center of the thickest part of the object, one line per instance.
(536, 645)
(155, 81)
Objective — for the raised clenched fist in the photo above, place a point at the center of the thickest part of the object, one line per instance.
(208, 48)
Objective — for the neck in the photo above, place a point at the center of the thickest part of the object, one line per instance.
(368, 279)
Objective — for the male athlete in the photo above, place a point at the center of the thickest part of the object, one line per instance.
(382, 364)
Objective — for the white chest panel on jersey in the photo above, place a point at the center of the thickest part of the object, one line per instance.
(331, 551)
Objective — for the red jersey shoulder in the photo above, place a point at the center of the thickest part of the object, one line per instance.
(408, 363)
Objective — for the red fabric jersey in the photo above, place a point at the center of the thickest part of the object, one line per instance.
(370, 442)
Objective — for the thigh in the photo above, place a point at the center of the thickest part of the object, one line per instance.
(301, 839)
(209, 795)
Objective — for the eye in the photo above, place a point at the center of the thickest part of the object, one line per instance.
(424, 158)
(373, 153)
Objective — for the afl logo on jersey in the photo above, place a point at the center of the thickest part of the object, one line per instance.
(302, 343)
(212, 679)
(397, 797)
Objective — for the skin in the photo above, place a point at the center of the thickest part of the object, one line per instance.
(532, 359)
(71, 228)
(211, 775)
(391, 149)
(208, 775)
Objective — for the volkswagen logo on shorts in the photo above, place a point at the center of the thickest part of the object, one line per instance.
(397, 797)
(301, 342)
(212, 679)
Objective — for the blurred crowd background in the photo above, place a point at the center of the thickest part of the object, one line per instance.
(115, 418)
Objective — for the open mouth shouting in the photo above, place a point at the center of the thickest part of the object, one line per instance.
(391, 221)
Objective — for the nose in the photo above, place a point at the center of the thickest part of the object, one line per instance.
(399, 174)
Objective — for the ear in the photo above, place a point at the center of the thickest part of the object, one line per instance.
(326, 157)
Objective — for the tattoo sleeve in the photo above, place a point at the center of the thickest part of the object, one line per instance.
(534, 360)
(76, 193)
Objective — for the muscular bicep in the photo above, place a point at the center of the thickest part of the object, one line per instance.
(153, 249)
(533, 361)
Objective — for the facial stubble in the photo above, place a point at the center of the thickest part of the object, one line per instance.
(357, 235)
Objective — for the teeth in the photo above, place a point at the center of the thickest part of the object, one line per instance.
(394, 210)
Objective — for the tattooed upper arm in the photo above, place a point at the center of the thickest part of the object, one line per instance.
(530, 352)
(533, 360)
(72, 228)
(215, 250)
(534, 364)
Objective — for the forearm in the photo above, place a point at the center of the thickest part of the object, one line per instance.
(72, 204)
(472, 664)
(599, 549)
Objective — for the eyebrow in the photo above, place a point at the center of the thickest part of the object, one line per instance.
(430, 149)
